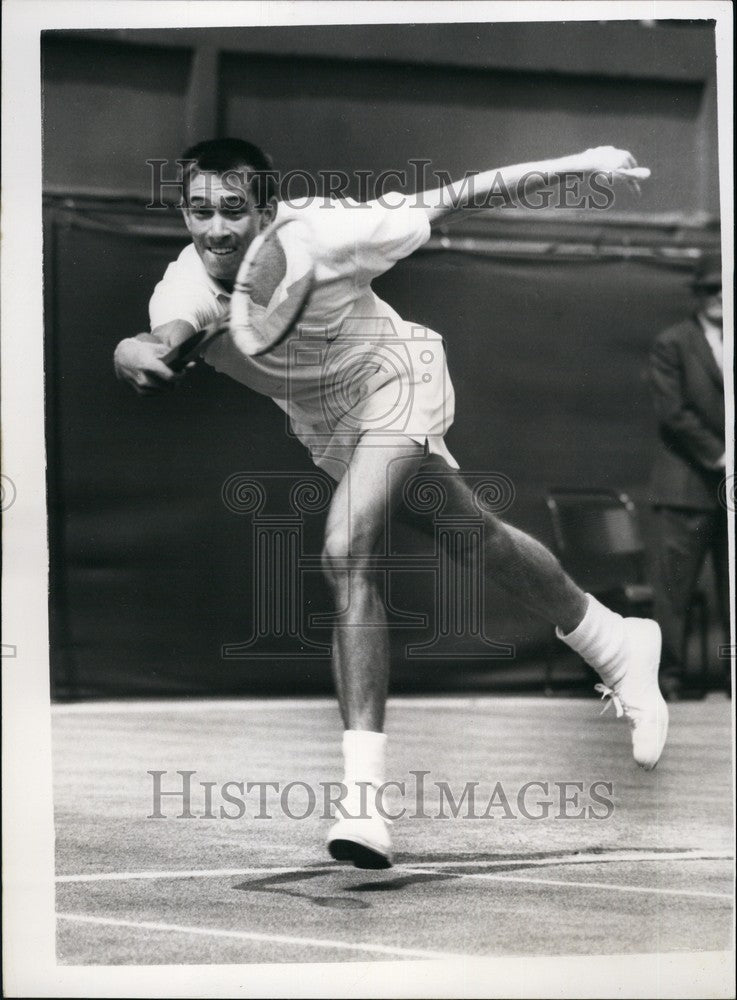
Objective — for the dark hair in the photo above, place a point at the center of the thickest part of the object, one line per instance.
(222, 155)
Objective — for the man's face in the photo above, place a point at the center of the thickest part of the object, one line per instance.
(223, 220)
(711, 306)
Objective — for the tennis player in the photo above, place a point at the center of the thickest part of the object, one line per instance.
(349, 408)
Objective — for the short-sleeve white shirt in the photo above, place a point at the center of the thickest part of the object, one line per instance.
(352, 364)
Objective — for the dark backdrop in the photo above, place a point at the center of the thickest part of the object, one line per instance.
(150, 572)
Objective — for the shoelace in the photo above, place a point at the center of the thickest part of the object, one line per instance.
(607, 692)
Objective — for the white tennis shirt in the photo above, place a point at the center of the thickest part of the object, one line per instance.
(351, 364)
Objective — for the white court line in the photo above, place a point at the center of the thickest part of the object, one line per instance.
(620, 857)
(655, 890)
(581, 858)
(147, 925)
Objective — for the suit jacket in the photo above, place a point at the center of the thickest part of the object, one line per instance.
(688, 392)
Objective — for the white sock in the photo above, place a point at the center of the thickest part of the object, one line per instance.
(599, 639)
(364, 754)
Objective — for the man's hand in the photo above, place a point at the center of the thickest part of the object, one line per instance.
(138, 362)
(618, 162)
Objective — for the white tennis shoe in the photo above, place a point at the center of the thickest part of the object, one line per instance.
(362, 836)
(636, 695)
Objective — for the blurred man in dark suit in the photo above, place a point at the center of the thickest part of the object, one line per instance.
(686, 375)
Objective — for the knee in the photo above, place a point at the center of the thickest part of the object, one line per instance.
(334, 555)
(342, 559)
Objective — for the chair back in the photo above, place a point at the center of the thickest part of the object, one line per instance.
(597, 537)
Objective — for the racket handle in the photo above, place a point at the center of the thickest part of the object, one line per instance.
(192, 348)
(179, 357)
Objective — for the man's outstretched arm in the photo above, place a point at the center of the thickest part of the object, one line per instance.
(472, 192)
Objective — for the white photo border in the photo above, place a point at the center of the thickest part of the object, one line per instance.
(28, 848)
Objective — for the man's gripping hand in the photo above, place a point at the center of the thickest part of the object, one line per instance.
(138, 362)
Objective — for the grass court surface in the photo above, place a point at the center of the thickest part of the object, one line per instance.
(654, 877)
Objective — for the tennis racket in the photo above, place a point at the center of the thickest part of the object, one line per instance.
(271, 289)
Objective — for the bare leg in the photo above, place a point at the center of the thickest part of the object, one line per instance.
(365, 497)
(529, 571)
(370, 493)
(367, 494)
(625, 652)
(516, 561)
